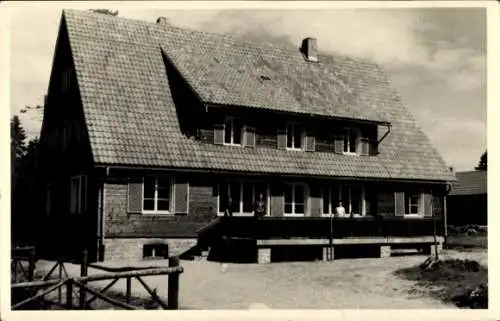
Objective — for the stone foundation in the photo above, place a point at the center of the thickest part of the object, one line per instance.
(385, 251)
(132, 248)
(326, 253)
(439, 248)
(264, 256)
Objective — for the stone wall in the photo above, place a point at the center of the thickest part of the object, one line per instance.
(132, 248)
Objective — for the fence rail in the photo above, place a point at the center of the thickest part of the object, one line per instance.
(78, 287)
(18, 256)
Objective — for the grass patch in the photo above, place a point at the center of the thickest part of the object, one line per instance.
(451, 281)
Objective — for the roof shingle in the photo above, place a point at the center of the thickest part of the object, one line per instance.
(132, 119)
(470, 183)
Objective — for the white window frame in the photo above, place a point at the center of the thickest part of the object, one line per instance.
(332, 209)
(81, 207)
(347, 133)
(302, 136)
(231, 143)
(220, 211)
(171, 199)
(420, 204)
(306, 198)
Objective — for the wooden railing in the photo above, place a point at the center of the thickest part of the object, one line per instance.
(19, 270)
(36, 291)
(323, 227)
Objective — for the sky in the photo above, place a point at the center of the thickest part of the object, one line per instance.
(435, 57)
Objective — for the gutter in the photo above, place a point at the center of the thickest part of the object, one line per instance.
(445, 212)
(246, 173)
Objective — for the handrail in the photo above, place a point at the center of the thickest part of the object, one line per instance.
(208, 225)
(101, 277)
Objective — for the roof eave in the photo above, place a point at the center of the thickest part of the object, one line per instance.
(359, 120)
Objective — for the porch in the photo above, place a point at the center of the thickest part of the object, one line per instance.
(374, 236)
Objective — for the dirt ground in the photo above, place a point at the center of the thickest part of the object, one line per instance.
(341, 284)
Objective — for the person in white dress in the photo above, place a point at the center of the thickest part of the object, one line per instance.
(340, 210)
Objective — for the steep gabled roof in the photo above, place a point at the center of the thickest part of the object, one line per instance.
(470, 183)
(132, 119)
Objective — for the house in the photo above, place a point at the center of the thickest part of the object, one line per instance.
(467, 202)
(150, 129)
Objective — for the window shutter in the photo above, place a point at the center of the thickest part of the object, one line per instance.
(219, 134)
(427, 198)
(277, 200)
(373, 148)
(134, 196)
(281, 138)
(250, 137)
(181, 197)
(399, 203)
(365, 147)
(310, 142)
(339, 144)
(368, 209)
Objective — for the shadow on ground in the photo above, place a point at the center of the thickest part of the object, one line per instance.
(451, 281)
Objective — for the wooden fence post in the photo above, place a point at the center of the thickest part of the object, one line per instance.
(129, 289)
(83, 272)
(14, 265)
(173, 285)
(69, 294)
(31, 267)
(59, 291)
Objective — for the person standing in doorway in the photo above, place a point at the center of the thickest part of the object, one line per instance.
(228, 212)
(340, 210)
(260, 207)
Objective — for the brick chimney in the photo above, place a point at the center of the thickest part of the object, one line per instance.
(162, 20)
(310, 49)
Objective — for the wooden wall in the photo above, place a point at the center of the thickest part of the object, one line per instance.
(121, 222)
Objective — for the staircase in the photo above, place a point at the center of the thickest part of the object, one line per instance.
(207, 234)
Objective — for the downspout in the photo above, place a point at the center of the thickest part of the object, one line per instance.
(385, 134)
(101, 217)
(445, 212)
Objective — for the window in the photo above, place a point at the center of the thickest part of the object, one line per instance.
(350, 141)
(150, 251)
(243, 196)
(156, 195)
(233, 131)
(331, 198)
(78, 194)
(412, 203)
(352, 198)
(294, 136)
(295, 199)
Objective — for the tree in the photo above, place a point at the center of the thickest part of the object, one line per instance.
(483, 162)
(105, 11)
(17, 138)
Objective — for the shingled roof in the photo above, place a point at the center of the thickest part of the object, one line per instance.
(132, 120)
(470, 183)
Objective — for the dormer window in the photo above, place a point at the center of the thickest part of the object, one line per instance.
(351, 137)
(294, 136)
(233, 131)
